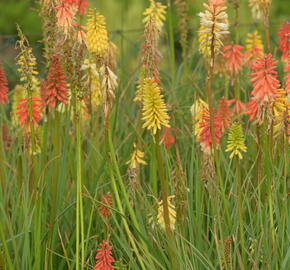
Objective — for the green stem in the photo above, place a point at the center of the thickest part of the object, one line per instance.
(79, 203)
(240, 205)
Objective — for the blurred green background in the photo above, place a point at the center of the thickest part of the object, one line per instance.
(124, 19)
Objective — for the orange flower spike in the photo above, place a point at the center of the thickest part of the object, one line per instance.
(264, 79)
(55, 90)
(287, 77)
(65, 14)
(284, 39)
(106, 200)
(23, 112)
(239, 108)
(167, 139)
(205, 133)
(234, 58)
(3, 86)
(104, 257)
(254, 111)
(224, 114)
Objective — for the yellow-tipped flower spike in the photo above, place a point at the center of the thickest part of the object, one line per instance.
(196, 111)
(257, 12)
(254, 41)
(280, 111)
(92, 81)
(156, 12)
(97, 35)
(172, 214)
(236, 141)
(154, 109)
(213, 27)
(136, 158)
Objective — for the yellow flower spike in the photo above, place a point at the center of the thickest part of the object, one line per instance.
(156, 12)
(279, 106)
(254, 41)
(172, 213)
(92, 80)
(236, 141)
(97, 35)
(136, 158)
(154, 109)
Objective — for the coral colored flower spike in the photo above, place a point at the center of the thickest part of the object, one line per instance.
(104, 257)
(54, 89)
(3, 86)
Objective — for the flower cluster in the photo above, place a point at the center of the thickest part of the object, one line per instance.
(213, 27)
(154, 111)
(254, 47)
(172, 213)
(136, 158)
(234, 58)
(156, 13)
(54, 89)
(236, 141)
(3, 86)
(106, 201)
(284, 39)
(97, 35)
(104, 257)
(264, 79)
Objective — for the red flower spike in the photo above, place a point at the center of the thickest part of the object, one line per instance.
(287, 77)
(3, 86)
(167, 139)
(239, 108)
(104, 257)
(264, 79)
(254, 111)
(284, 39)
(234, 58)
(205, 133)
(54, 89)
(23, 111)
(82, 6)
(224, 114)
(105, 211)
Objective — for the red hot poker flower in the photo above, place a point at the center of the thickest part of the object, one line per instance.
(284, 39)
(287, 77)
(205, 139)
(104, 257)
(254, 111)
(23, 111)
(264, 79)
(3, 86)
(167, 139)
(224, 114)
(54, 89)
(234, 58)
(239, 108)
(104, 210)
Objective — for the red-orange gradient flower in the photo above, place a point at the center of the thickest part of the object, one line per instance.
(252, 109)
(284, 39)
(167, 138)
(264, 79)
(23, 111)
(234, 58)
(287, 77)
(104, 257)
(224, 114)
(105, 211)
(65, 14)
(239, 107)
(205, 139)
(3, 86)
(54, 89)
